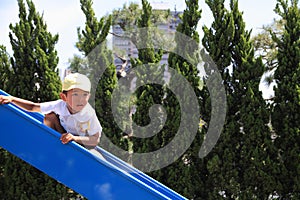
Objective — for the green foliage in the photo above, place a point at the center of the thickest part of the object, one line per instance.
(79, 64)
(246, 141)
(149, 94)
(4, 68)
(178, 174)
(95, 31)
(286, 106)
(265, 45)
(34, 65)
(127, 19)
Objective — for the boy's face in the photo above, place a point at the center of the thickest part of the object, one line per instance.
(76, 99)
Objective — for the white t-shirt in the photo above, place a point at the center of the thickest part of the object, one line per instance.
(82, 123)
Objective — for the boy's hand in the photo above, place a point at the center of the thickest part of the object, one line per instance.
(5, 99)
(66, 138)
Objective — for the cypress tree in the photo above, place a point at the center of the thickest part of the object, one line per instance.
(147, 64)
(101, 70)
(143, 34)
(255, 148)
(183, 175)
(33, 76)
(286, 106)
(3, 157)
(216, 41)
(244, 152)
(35, 60)
(4, 67)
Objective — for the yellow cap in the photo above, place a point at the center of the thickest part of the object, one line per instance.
(76, 80)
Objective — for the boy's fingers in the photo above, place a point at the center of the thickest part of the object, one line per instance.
(66, 137)
(2, 99)
(5, 100)
(62, 136)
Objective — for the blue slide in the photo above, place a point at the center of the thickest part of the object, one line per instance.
(24, 135)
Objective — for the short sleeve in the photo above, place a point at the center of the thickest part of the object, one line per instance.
(51, 106)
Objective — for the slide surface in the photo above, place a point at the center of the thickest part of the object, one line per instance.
(24, 135)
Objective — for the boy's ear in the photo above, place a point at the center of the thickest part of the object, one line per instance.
(63, 96)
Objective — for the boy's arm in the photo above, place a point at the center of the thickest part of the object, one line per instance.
(92, 140)
(22, 103)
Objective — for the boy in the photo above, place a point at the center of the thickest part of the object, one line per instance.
(72, 115)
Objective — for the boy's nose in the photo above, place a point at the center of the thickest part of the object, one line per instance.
(82, 98)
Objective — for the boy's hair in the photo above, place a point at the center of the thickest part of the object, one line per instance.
(76, 80)
(65, 92)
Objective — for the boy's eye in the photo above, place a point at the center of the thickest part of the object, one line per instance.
(74, 94)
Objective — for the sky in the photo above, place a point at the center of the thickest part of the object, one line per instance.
(63, 17)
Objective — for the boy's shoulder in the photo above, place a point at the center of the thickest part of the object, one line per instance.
(57, 106)
(60, 104)
(54, 102)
